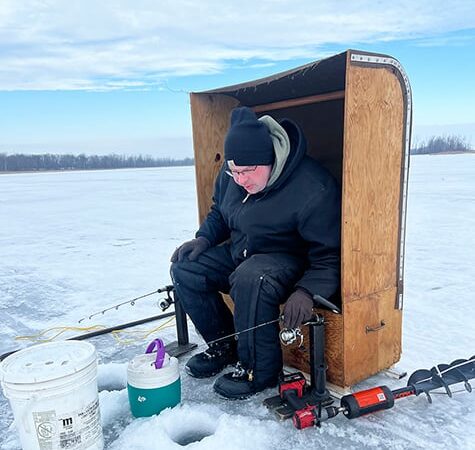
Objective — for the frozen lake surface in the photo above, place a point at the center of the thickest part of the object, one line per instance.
(73, 243)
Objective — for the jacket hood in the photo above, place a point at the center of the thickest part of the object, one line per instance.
(281, 147)
(290, 147)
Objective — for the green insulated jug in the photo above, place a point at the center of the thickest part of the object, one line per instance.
(153, 381)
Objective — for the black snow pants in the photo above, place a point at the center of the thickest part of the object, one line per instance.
(257, 285)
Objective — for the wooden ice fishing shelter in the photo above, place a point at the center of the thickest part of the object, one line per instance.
(355, 110)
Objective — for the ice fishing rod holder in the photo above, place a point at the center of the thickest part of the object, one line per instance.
(294, 392)
(317, 349)
(182, 344)
(318, 367)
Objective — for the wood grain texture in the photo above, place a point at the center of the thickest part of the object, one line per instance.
(300, 101)
(210, 122)
(373, 146)
(368, 352)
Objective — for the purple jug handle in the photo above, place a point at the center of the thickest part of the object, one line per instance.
(158, 343)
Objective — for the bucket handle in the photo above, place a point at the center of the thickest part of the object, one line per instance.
(158, 344)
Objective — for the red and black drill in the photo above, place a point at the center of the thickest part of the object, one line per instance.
(379, 398)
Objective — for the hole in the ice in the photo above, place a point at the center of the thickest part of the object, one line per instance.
(190, 436)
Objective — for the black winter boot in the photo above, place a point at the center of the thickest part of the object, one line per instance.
(212, 361)
(240, 384)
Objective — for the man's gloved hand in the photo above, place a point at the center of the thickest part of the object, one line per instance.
(191, 248)
(298, 309)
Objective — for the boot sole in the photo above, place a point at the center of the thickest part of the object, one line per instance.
(243, 396)
(237, 397)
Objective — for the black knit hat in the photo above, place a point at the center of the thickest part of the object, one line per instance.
(248, 142)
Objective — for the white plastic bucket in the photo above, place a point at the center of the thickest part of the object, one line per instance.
(52, 389)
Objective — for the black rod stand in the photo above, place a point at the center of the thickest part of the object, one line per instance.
(181, 324)
(182, 344)
(317, 358)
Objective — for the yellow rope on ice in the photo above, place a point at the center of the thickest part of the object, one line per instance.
(42, 335)
(139, 334)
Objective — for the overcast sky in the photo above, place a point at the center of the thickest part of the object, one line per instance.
(113, 76)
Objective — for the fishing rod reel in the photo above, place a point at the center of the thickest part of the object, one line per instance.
(290, 335)
(166, 302)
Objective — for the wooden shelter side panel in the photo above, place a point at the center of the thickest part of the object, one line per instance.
(372, 331)
(373, 146)
(210, 122)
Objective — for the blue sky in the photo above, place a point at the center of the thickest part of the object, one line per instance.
(82, 76)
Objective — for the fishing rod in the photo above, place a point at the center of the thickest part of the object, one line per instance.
(163, 303)
(175, 349)
(287, 335)
(92, 334)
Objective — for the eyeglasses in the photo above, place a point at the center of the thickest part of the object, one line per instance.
(235, 173)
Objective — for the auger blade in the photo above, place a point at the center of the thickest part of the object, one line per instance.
(443, 376)
(418, 376)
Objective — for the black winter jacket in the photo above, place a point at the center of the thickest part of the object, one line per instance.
(298, 215)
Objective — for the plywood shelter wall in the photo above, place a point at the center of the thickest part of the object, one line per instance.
(210, 122)
(372, 163)
(371, 212)
(367, 337)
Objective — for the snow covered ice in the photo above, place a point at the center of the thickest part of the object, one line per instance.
(73, 243)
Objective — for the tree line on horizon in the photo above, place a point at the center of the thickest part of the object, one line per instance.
(18, 162)
(25, 162)
(441, 144)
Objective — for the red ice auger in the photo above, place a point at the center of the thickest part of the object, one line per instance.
(310, 405)
(376, 399)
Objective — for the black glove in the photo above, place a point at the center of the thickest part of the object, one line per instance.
(191, 248)
(297, 309)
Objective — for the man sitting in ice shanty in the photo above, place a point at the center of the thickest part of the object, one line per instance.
(272, 236)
